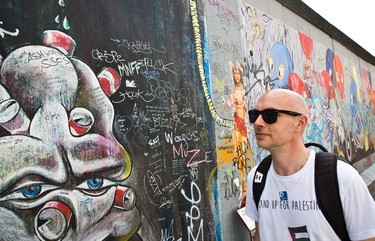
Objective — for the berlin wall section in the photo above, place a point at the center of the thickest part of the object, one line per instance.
(105, 134)
(256, 46)
(127, 120)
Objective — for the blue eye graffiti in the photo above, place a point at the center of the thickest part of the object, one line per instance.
(34, 191)
(31, 191)
(95, 183)
(95, 186)
(28, 191)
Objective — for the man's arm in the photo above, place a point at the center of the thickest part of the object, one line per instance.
(370, 239)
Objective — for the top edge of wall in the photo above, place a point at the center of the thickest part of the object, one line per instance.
(304, 11)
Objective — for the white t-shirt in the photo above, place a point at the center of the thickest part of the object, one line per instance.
(288, 208)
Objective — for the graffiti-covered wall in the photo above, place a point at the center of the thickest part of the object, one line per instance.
(127, 120)
(256, 46)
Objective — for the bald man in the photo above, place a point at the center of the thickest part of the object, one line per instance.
(288, 208)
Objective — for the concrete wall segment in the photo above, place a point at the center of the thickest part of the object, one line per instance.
(127, 119)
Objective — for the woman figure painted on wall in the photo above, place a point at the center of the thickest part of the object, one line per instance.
(240, 130)
(240, 110)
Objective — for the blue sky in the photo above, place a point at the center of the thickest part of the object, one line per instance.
(354, 18)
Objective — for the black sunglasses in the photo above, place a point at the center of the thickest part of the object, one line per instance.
(269, 115)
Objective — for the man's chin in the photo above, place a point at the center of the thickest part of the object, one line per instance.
(262, 143)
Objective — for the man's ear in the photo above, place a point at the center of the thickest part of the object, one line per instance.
(302, 121)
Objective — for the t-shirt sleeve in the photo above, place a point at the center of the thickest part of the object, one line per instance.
(250, 208)
(358, 204)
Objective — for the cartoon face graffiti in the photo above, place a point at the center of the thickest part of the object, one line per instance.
(61, 168)
(280, 65)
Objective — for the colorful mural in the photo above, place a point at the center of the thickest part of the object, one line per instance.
(272, 55)
(334, 87)
(127, 120)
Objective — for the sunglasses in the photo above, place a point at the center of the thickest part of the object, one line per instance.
(269, 115)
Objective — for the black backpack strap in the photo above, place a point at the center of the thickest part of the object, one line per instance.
(321, 147)
(327, 192)
(260, 178)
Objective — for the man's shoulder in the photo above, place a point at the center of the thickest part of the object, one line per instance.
(343, 165)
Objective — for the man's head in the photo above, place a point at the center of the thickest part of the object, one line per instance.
(279, 119)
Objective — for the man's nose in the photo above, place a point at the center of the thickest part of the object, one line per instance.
(259, 121)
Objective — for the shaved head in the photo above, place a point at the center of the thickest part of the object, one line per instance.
(284, 99)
